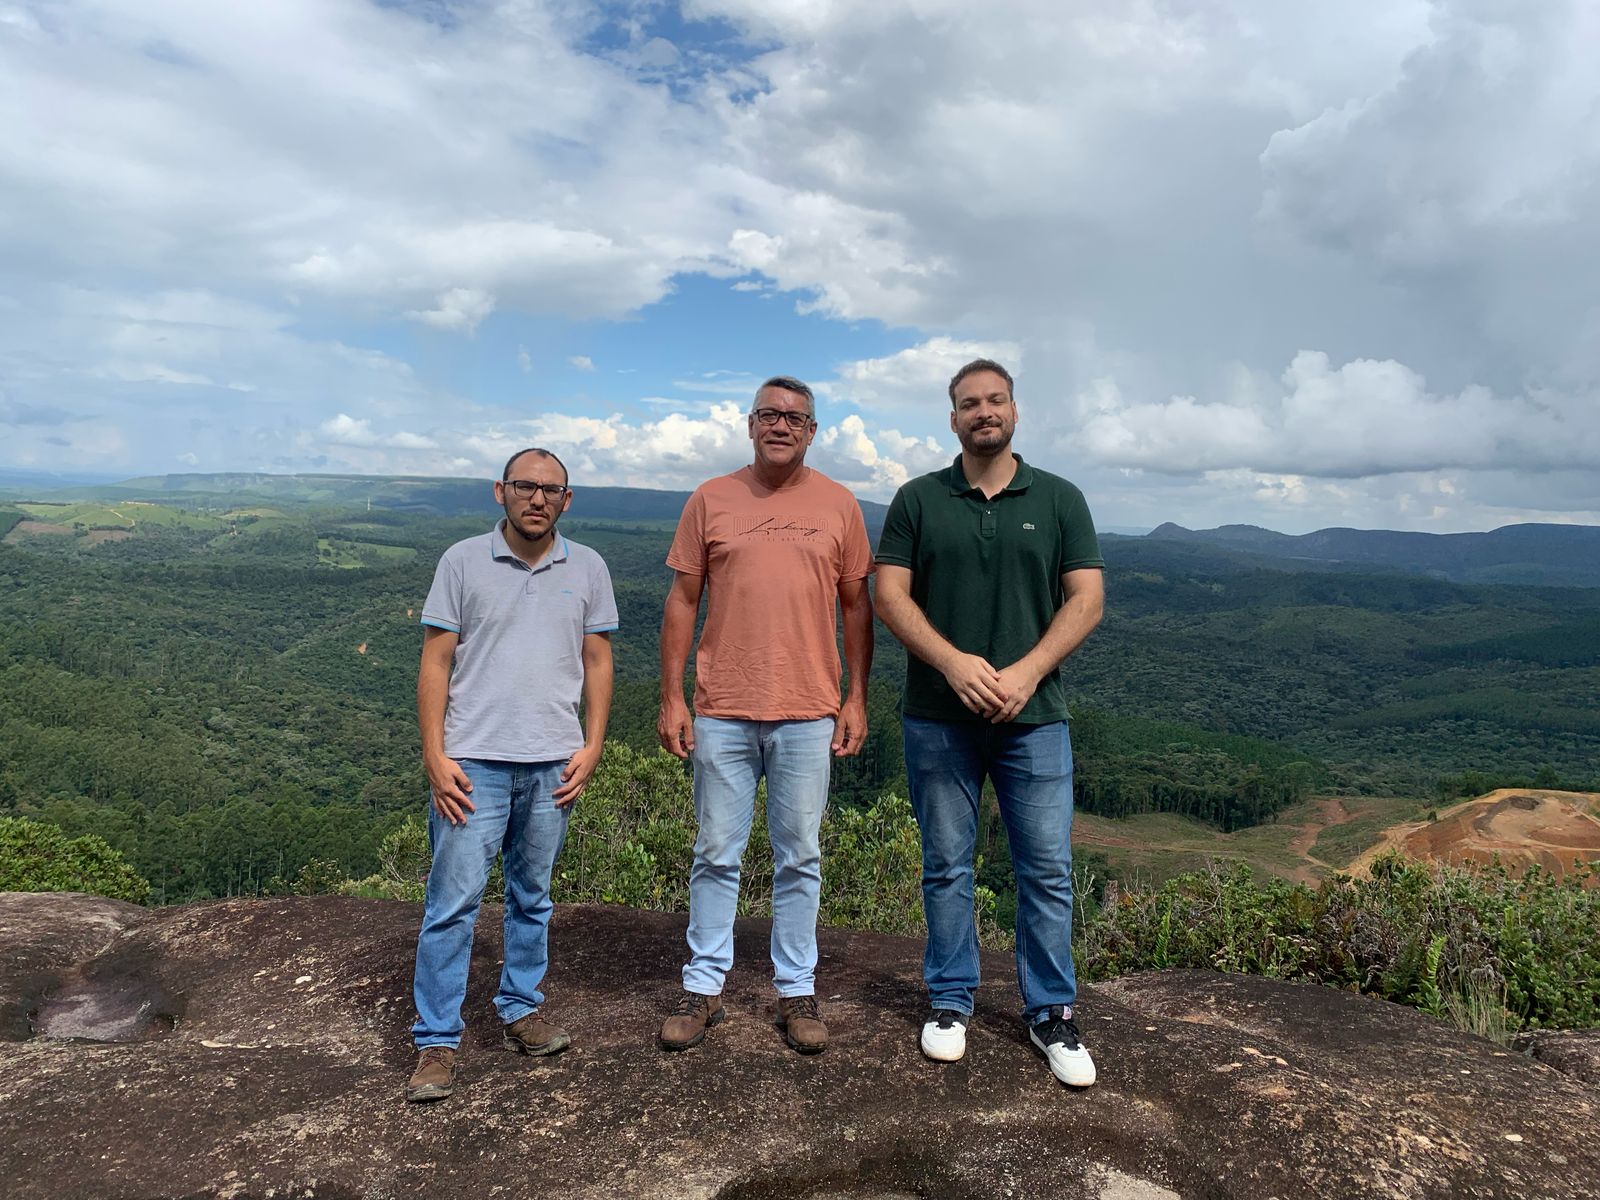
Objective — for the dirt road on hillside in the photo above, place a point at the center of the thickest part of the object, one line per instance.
(1520, 826)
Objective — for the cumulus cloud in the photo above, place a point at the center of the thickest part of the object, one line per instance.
(919, 375)
(582, 362)
(683, 449)
(204, 197)
(345, 430)
(1488, 131)
(458, 308)
(1363, 418)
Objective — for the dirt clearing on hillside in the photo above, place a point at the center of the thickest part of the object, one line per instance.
(1522, 826)
(24, 529)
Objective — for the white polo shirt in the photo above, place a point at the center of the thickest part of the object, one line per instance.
(518, 672)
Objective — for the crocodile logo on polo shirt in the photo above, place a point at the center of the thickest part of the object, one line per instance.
(1027, 524)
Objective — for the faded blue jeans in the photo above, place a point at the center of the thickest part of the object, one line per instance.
(730, 758)
(514, 814)
(1031, 766)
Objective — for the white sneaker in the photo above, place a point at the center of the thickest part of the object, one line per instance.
(944, 1037)
(1057, 1038)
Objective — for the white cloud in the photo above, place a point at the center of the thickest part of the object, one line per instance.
(458, 308)
(1364, 418)
(582, 361)
(146, 372)
(1153, 206)
(345, 430)
(919, 375)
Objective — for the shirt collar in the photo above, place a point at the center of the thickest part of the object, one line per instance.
(500, 548)
(1020, 482)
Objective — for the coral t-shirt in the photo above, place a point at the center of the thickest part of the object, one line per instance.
(773, 561)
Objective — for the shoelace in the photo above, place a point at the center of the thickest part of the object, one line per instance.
(804, 1006)
(947, 1017)
(1062, 1031)
(435, 1054)
(688, 1004)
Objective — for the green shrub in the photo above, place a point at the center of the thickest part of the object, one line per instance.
(40, 858)
(1475, 945)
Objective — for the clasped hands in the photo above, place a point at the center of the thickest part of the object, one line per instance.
(999, 694)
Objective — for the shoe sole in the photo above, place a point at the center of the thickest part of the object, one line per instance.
(554, 1046)
(429, 1092)
(1093, 1074)
(803, 1047)
(714, 1019)
(960, 1053)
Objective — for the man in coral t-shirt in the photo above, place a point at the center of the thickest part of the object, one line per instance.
(773, 546)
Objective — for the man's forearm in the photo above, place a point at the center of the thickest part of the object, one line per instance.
(858, 643)
(433, 689)
(1073, 623)
(597, 690)
(677, 636)
(911, 626)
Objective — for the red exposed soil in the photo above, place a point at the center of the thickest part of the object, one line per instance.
(1519, 826)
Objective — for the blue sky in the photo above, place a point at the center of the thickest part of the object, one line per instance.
(1292, 265)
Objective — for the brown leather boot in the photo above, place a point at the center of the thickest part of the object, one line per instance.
(691, 1016)
(435, 1076)
(802, 1024)
(532, 1034)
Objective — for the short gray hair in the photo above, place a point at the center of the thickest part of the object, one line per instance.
(790, 384)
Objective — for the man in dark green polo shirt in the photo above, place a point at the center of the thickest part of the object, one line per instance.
(990, 573)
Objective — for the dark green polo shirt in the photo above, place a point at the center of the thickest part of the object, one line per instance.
(988, 574)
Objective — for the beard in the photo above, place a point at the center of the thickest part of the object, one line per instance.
(986, 441)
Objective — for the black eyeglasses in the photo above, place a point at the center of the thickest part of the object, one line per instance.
(794, 420)
(523, 489)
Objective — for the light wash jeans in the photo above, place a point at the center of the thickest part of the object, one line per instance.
(730, 758)
(514, 814)
(1031, 766)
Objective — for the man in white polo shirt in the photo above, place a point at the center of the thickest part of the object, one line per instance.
(518, 626)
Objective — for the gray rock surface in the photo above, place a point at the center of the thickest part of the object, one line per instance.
(286, 1049)
(1574, 1052)
(42, 939)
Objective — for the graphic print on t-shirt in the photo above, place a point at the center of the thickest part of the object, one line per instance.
(778, 529)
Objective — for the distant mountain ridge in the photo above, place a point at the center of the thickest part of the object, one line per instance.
(1534, 554)
(439, 496)
(1528, 554)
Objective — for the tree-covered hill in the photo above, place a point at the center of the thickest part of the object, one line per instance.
(224, 692)
(1550, 555)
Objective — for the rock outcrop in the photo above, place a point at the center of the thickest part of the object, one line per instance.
(1574, 1052)
(269, 1047)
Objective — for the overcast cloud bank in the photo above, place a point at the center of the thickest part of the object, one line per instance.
(1251, 261)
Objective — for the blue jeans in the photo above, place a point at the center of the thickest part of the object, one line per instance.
(1031, 766)
(730, 757)
(516, 815)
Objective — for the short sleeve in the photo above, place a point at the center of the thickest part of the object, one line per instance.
(688, 552)
(897, 544)
(442, 608)
(600, 610)
(1080, 547)
(855, 552)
